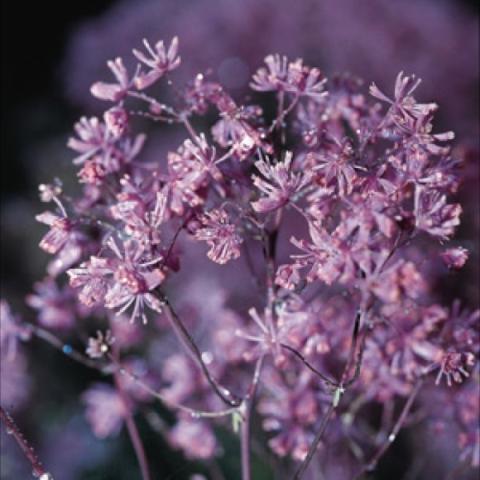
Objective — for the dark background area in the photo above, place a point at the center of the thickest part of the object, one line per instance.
(33, 43)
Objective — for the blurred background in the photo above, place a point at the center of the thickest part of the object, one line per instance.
(50, 57)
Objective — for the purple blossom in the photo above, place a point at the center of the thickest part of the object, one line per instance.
(12, 331)
(90, 276)
(453, 365)
(54, 304)
(455, 257)
(59, 233)
(195, 438)
(105, 410)
(434, 215)
(133, 280)
(140, 222)
(92, 137)
(292, 77)
(113, 92)
(290, 412)
(100, 345)
(280, 184)
(403, 103)
(160, 62)
(221, 236)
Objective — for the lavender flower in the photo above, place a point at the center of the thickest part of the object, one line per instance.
(12, 331)
(195, 438)
(161, 62)
(292, 77)
(100, 345)
(220, 235)
(133, 281)
(113, 92)
(280, 184)
(105, 410)
(455, 257)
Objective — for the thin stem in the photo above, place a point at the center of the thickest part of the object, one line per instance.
(371, 465)
(313, 448)
(341, 386)
(114, 366)
(12, 429)
(65, 348)
(358, 363)
(192, 411)
(353, 347)
(179, 328)
(283, 112)
(189, 127)
(174, 240)
(247, 407)
(327, 380)
(132, 429)
(155, 104)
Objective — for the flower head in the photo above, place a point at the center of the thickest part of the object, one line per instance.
(280, 184)
(100, 345)
(113, 92)
(455, 257)
(161, 61)
(292, 77)
(220, 235)
(105, 410)
(453, 366)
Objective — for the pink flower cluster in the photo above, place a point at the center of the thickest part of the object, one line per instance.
(325, 212)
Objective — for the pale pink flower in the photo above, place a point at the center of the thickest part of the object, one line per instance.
(90, 276)
(12, 331)
(133, 280)
(59, 233)
(455, 257)
(336, 166)
(195, 438)
(403, 101)
(92, 138)
(453, 366)
(113, 92)
(55, 305)
(294, 77)
(220, 235)
(161, 61)
(141, 223)
(434, 215)
(105, 410)
(116, 121)
(280, 183)
(100, 345)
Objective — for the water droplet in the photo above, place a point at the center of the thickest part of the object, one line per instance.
(67, 349)
(46, 476)
(226, 392)
(207, 358)
(391, 437)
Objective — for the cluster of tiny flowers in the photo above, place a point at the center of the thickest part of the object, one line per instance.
(325, 216)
